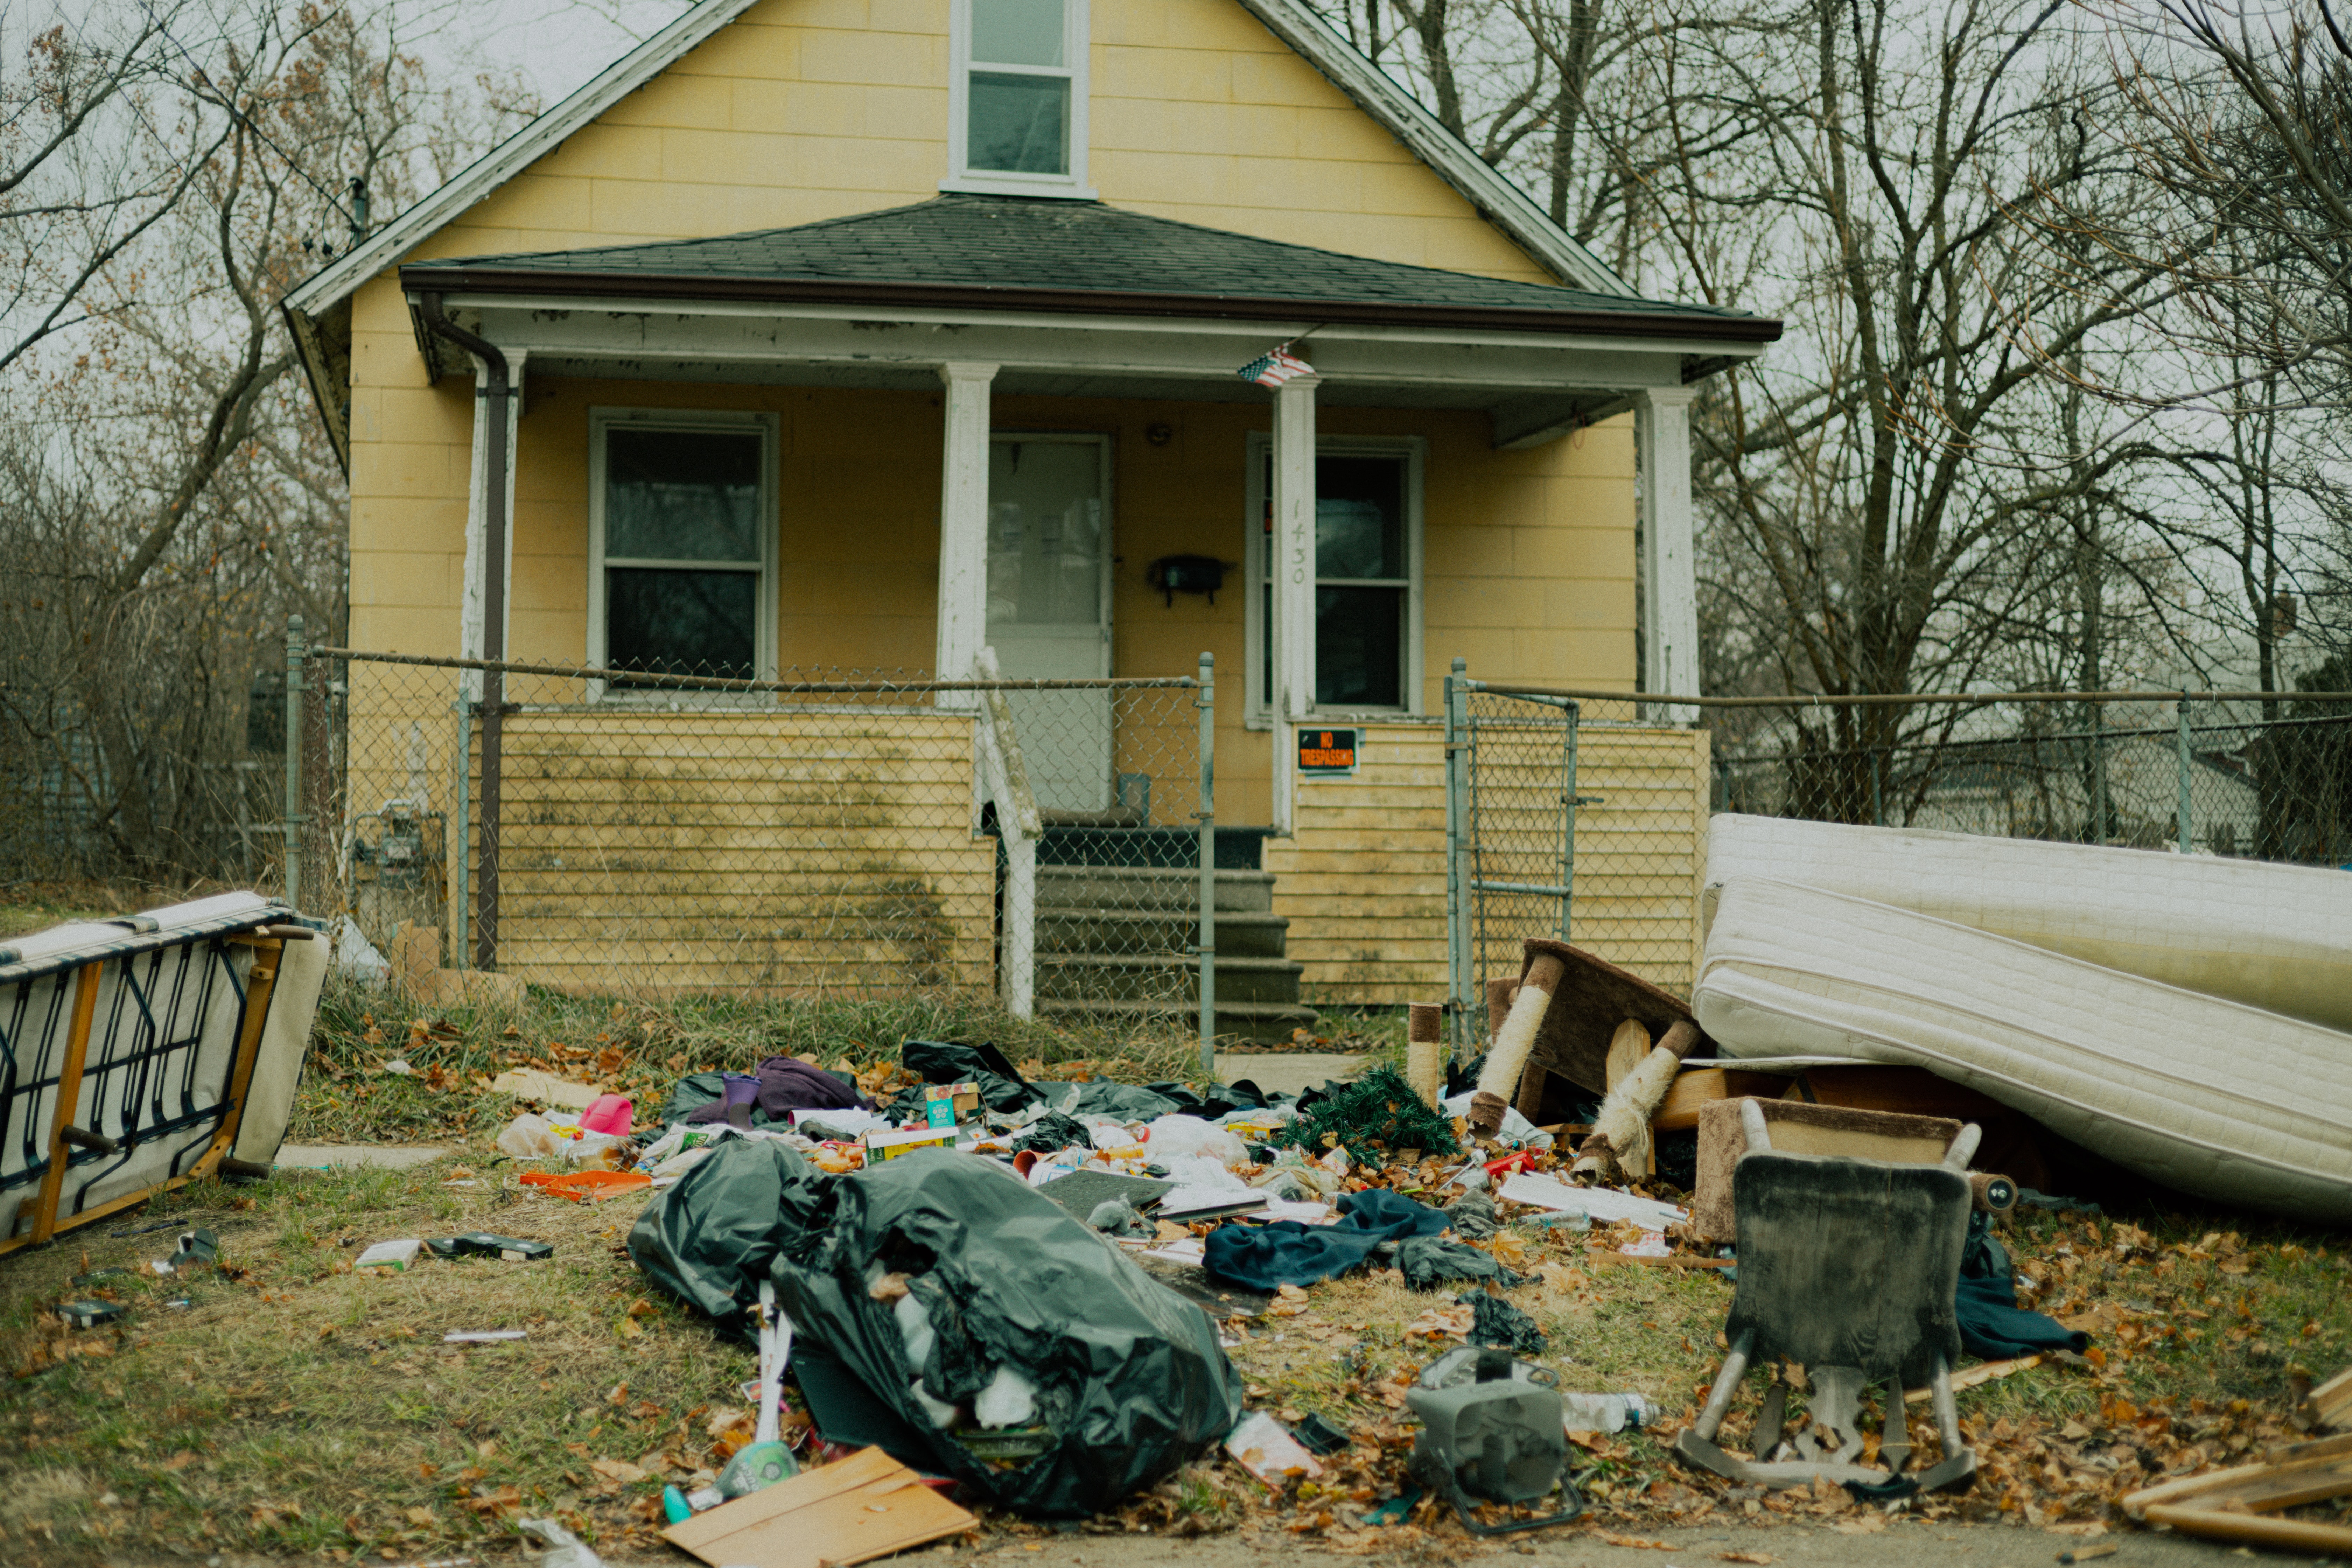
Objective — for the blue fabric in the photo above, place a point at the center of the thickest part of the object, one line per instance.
(1262, 1256)
(1992, 1325)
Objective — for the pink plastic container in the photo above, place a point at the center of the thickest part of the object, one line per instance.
(609, 1113)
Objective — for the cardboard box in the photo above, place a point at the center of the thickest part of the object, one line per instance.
(941, 1114)
(392, 1254)
(965, 1097)
(890, 1145)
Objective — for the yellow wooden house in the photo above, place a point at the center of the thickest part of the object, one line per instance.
(825, 334)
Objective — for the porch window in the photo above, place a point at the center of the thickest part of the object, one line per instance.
(1366, 576)
(1019, 91)
(682, 528)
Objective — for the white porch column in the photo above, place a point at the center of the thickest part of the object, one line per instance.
(1294, 579)
(472, 638)
(963, 527)
(1669, 564)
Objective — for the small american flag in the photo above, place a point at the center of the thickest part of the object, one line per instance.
(1274, 369)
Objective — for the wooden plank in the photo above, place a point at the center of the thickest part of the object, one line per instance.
(2312, 1479)
(2331, 1402)
(69, 1098)
(260, 984)
(2254, 1529)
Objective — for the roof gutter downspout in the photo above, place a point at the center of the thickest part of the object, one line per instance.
(492, 409)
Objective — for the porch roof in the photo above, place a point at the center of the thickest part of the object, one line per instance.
(1009, 253)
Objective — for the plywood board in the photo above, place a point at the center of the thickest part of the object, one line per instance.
(853, 1510)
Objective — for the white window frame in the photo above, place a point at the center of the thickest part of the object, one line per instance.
(769, 427)
(1255, 714)
(995, 182)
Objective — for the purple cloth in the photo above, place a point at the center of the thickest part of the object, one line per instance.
(788, 1084)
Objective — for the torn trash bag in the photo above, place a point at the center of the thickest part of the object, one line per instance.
(1124, 1377)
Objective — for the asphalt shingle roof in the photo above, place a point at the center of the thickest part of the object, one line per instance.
(1005, 244)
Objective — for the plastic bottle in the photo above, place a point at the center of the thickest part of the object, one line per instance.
(1604, 1412)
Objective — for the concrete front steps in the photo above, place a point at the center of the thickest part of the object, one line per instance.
(1113, 948)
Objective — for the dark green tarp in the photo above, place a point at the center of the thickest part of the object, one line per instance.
(1130, 1379)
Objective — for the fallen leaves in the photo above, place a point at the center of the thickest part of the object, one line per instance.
(1441, 1322)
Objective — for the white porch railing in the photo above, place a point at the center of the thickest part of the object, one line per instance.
(1006, 778)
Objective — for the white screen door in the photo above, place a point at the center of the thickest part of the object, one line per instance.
(1049, 606)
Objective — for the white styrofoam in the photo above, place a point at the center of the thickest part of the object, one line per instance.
(2274, 937)
(2203, 1095)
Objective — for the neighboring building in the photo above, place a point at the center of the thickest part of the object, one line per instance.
(888, 331)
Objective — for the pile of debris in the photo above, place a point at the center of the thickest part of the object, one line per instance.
(1050, 1298)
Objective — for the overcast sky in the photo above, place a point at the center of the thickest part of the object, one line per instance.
(559, 43)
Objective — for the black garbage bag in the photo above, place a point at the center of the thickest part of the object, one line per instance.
(1121, 1102)
(1130, 1379)
(710, 1240)
(1494, 1322)
(1050, 1135)
(1002, 1087)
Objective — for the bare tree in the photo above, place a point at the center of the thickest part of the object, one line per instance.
(165, 499)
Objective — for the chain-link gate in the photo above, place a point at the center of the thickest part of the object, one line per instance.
(1510, 823)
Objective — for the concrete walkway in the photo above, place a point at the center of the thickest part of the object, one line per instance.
(1286, 1072)
(348, 1156)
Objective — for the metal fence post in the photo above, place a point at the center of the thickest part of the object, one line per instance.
(1457, 827)
(1571, 717)
(2102, 815)
(2185, 824)
(295, 815)
(485, 920)
(1206, 701)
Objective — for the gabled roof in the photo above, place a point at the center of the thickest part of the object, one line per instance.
(1031, 254)
(1498, 200)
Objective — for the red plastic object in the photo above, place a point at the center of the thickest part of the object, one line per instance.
(1525, 1159)
(581, 1186)
(609, 1113)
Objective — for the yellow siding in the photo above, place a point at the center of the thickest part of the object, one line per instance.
(720, 848)
(803, 110)
(796, 851)
(1362, 880)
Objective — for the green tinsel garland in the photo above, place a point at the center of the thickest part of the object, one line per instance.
(1379, 1110)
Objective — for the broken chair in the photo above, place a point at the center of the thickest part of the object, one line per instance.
(1848, 1268)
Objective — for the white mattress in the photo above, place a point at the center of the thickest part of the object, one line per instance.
(2202, 1095)
(2274, 937)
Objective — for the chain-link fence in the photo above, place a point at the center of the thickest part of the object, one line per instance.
(1575, 816)
(2206, 776)
(1584, 815)
(826, 834)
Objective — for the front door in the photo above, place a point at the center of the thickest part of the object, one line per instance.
(1049, 606)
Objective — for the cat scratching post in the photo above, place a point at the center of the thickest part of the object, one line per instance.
(1499, 992)
(1507, 1058)
(1425, 1055)
(1620, 1143)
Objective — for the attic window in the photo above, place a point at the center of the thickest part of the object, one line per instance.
(1018, 98)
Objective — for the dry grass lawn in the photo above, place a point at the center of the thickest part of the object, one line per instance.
(293, 1407)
